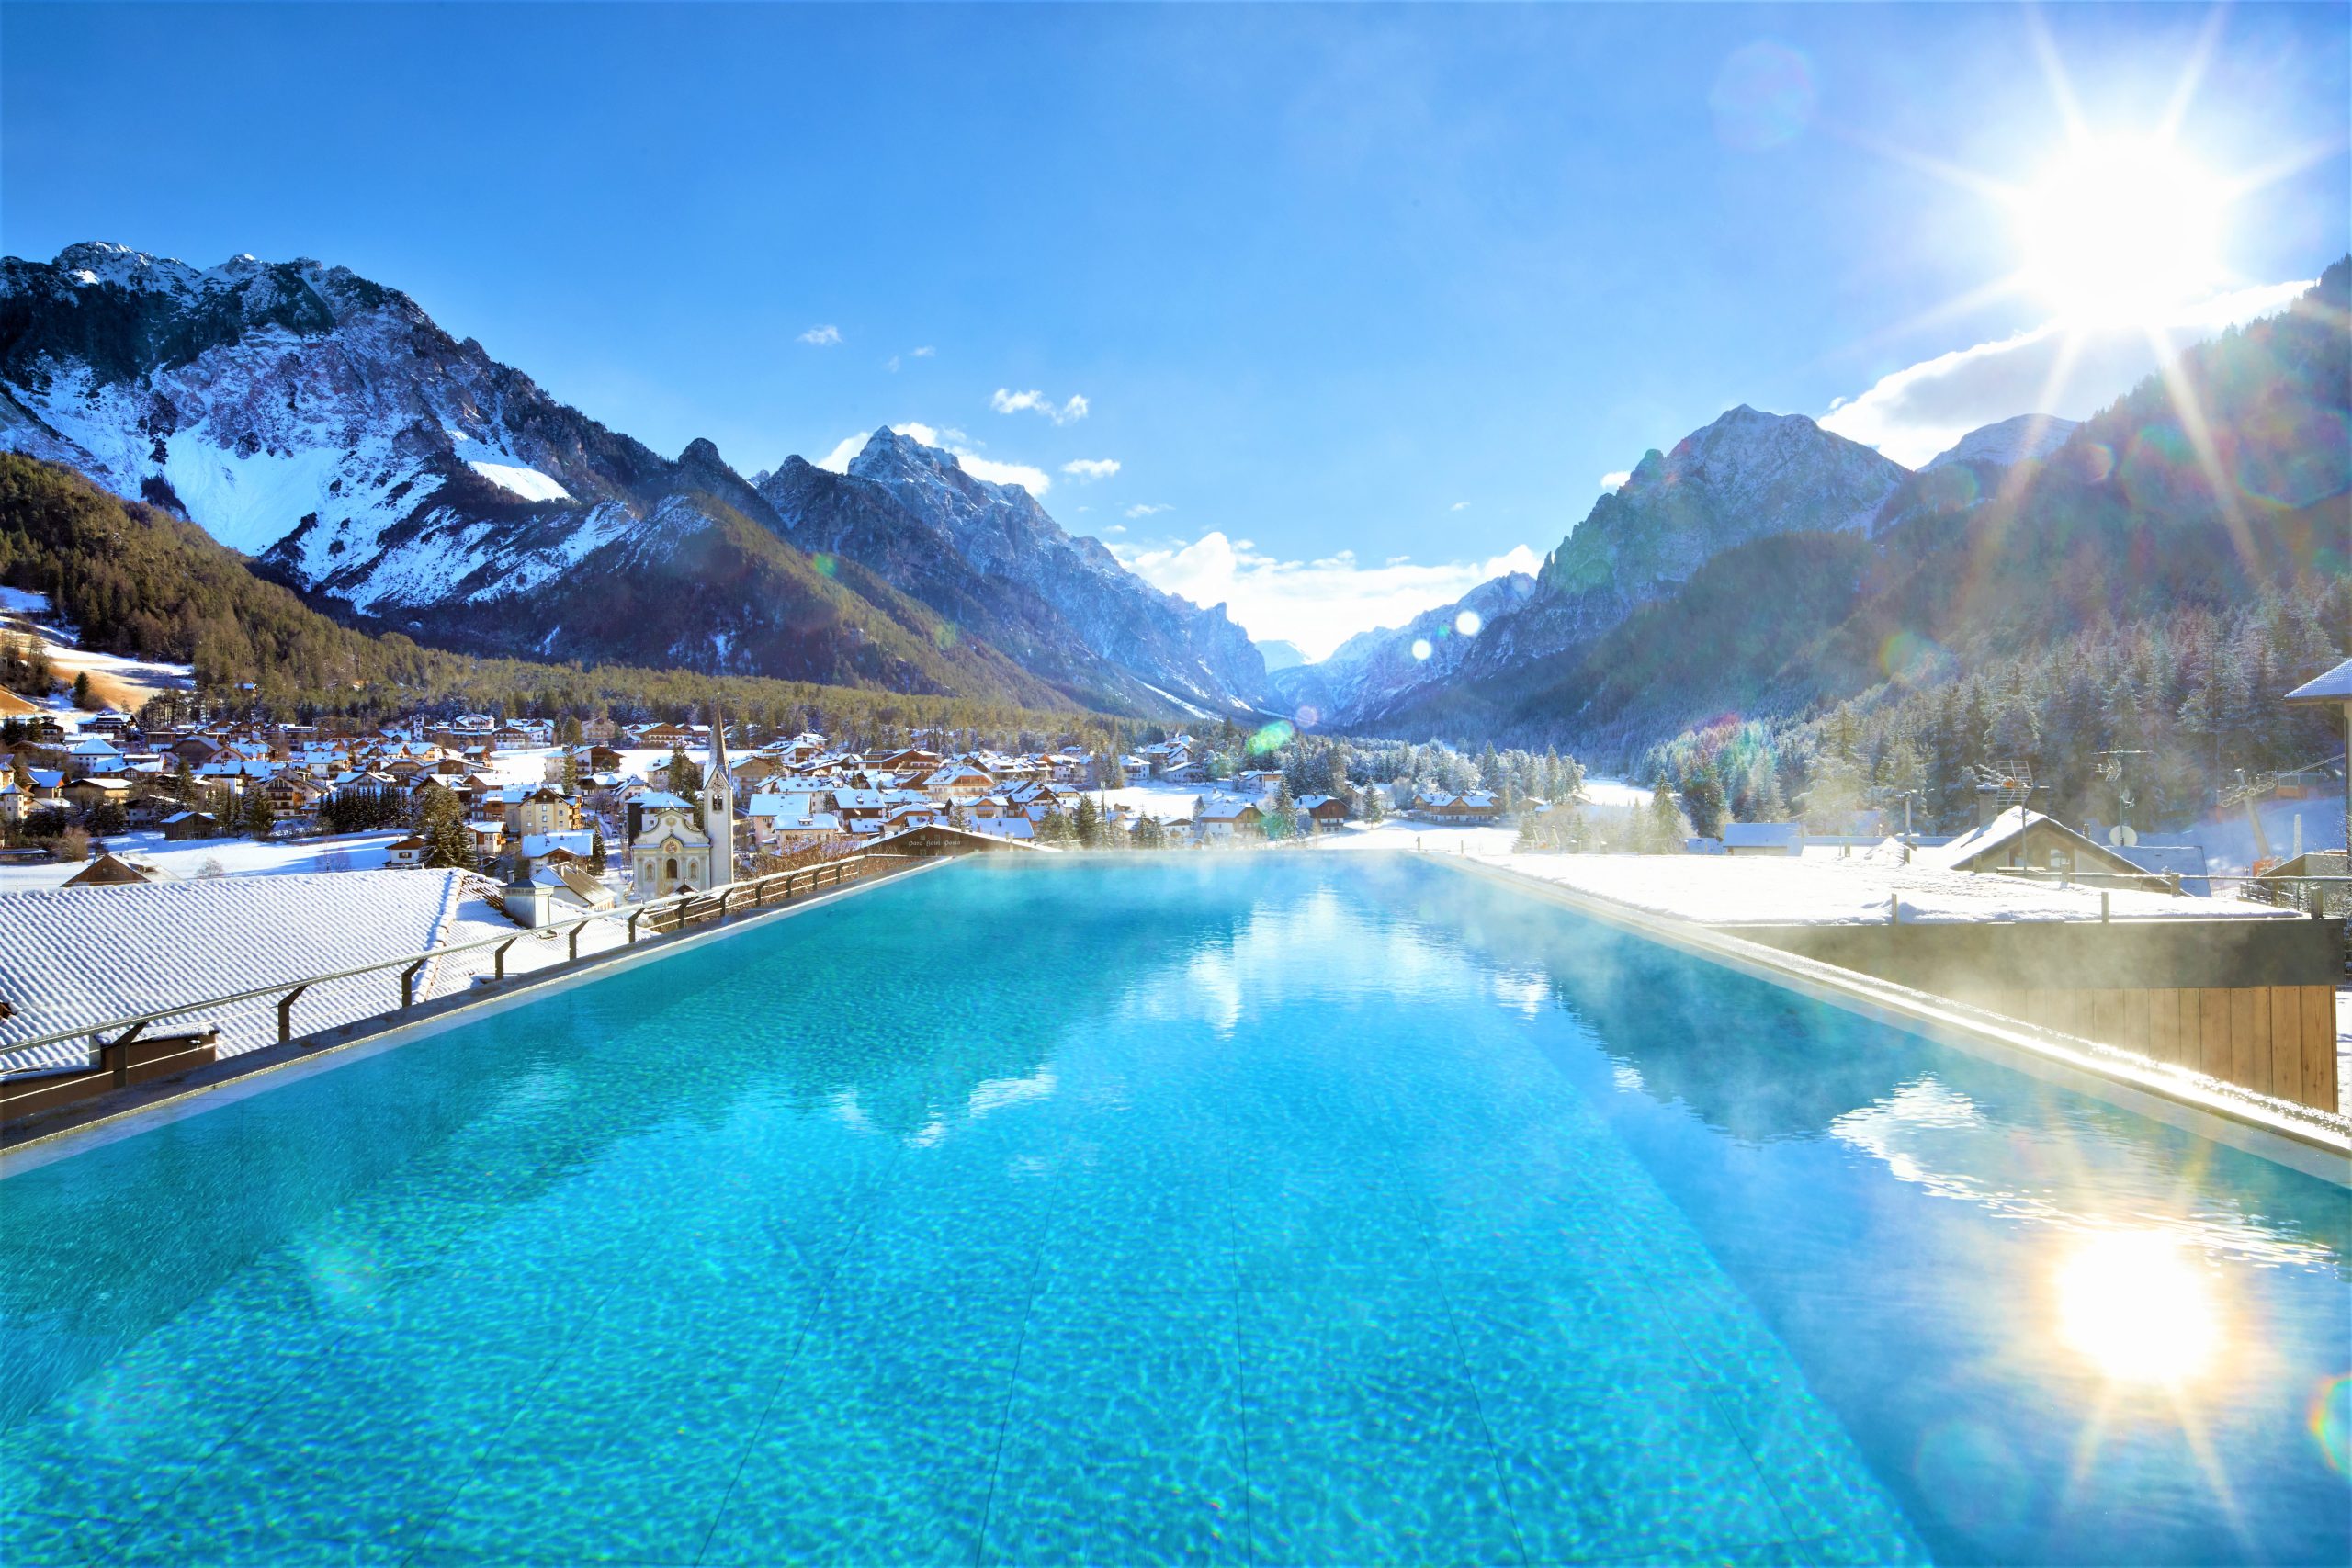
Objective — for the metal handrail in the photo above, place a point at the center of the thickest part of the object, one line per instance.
(722, 898)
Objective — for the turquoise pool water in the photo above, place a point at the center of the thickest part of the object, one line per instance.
(1284, 1209)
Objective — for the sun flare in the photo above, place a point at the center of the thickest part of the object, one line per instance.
(2122, 232)
(2134, 1304)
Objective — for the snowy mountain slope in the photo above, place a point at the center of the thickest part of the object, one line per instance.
(325, 425)
(1371, 668)
(2009, 442)
(988, 556)
(1746, 476)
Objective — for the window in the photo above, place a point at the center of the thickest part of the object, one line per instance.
(673, 871)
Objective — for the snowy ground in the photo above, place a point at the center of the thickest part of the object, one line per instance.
(124, 682)
(1614, 792)
(1738, 890)
(237, 857)
(2228, 838)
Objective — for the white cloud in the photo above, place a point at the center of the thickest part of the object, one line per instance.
(822, 337)
(1613, 480)
(1005, 401)
(891, 364)
(1037, 481)
(1459, 506)
(1318, 604)
(1147, 509)
(1092, 468)
(1116, 528)
(925, 352)
(1922, 410)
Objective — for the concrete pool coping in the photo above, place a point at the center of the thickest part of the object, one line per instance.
(114, 1117)
(2313, 1142)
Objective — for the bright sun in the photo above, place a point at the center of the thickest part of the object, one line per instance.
(2122, 232)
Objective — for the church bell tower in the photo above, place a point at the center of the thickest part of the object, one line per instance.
(719, 804)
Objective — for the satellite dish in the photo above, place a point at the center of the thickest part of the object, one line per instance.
(2121, 837)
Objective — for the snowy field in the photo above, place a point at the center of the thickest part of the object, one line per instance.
(2228, 838)
(236, 857)
(1740, 890)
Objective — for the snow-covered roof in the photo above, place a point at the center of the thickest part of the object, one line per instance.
(577, 841)
(79, 955)
(1992, 835)
(2336, 686)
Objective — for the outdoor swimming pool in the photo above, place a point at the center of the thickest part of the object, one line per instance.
(1278, 1208)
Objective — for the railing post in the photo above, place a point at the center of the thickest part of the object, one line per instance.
(286, 1014)
(120, 1046)
(633, 919)
(408, 982)
(576, 930)
(498, 957)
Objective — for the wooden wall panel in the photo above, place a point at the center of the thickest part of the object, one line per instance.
(2139, 1022)
(2163, 1025)
(2249, 1035)
(2107, 1018)
(2286, 1042)
(2320, 1087)
(2213, 1032)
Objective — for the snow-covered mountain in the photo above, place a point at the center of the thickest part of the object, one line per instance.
(324, 425)
(2011, 441)
(1367, 671)
(1746, 476)
(989, 558)
(1280, 654)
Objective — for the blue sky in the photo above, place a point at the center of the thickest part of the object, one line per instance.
(1398, 283)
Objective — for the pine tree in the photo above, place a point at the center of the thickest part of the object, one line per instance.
(83, 696)
(257, 820)
(596, 852)
(1281, 812)
(1662, 830)
(448, 842)
(1088, 826)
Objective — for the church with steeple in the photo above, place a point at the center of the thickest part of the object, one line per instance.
(675, 853)
(719, 804)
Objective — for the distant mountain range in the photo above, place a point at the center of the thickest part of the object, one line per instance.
(402, 479)
(1767, 566)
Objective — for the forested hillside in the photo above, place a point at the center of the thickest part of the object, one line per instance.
(136, 581)
(2191, 695)
(2229, 482)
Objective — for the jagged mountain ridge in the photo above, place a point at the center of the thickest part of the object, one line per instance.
(1370, 667)
(990, 558)
(1747, 475)
(399, 478)
(1972, 558)
(2006, 443)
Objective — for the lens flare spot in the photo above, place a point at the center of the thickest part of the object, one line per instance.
(1308, 715)
(943, 634)
(2134, 1304)
(1421, 649)
(825, 565)
(1910, 658)
(2331, 1423)
(1271, 738)
(1467, 623)
(1763, 96)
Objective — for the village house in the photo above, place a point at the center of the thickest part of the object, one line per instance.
(1224, 818)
